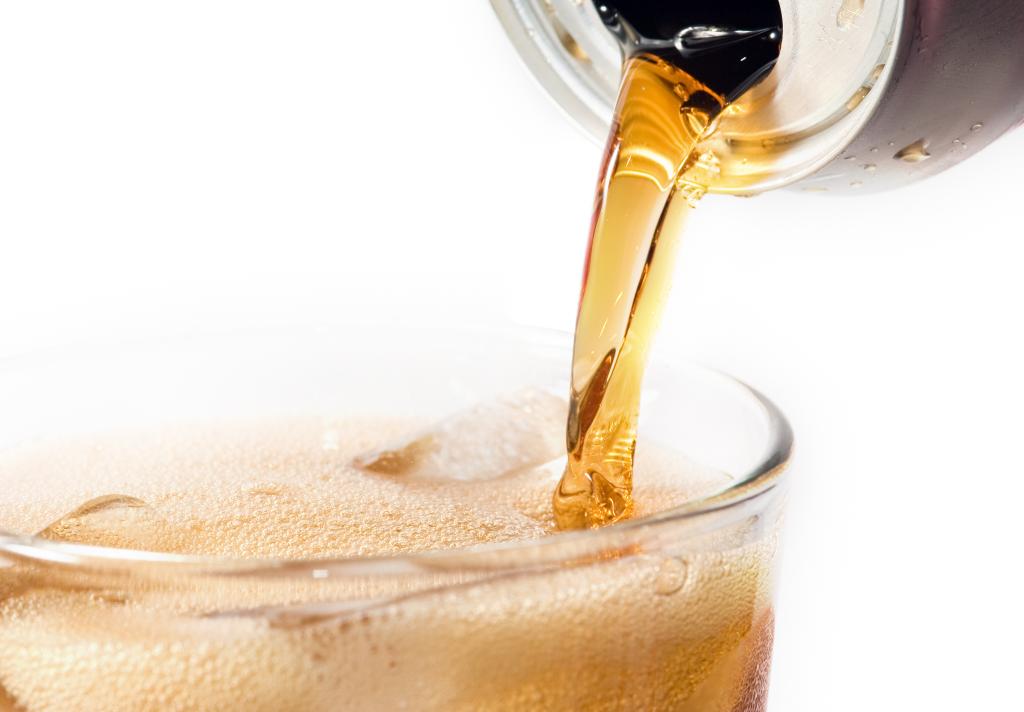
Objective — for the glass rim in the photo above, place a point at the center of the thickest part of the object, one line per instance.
(759, 482)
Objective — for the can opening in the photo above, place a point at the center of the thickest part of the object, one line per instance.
(826, 84)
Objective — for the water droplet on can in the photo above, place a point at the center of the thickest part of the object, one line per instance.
(856, 183)
(857, 98)
(977, 127)
(849, 12)
(914, 153)
(870, 167)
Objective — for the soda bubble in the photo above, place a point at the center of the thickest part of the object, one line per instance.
(115, 520)
(267, 490)
(690, 191)
(672, 575)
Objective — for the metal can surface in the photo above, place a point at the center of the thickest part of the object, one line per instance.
(867, 94)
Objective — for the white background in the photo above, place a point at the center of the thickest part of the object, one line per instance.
(173, 166)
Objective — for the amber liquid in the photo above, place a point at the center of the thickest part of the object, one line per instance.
(650, 179)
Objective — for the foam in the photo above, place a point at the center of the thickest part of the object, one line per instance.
(664, 629)
(289, 490)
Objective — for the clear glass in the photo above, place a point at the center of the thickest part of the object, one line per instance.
(669, 612)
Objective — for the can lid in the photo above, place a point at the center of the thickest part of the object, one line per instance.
(823, 90)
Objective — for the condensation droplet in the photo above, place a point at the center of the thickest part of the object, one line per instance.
(672, 575)
(914, 153)
(959, 144)
(874, 150)
(849, 12)
(870, 167)
(977, 127)
(850, 158)
(877, 73)
(815, 189)
(892, 144)
(856, 183)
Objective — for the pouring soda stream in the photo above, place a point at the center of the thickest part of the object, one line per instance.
(855, 103)
(678, 78)
(315, 521)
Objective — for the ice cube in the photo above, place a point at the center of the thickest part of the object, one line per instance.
(486, 441)
(115, 520)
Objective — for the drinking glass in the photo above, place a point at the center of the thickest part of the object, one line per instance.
(672, 611)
